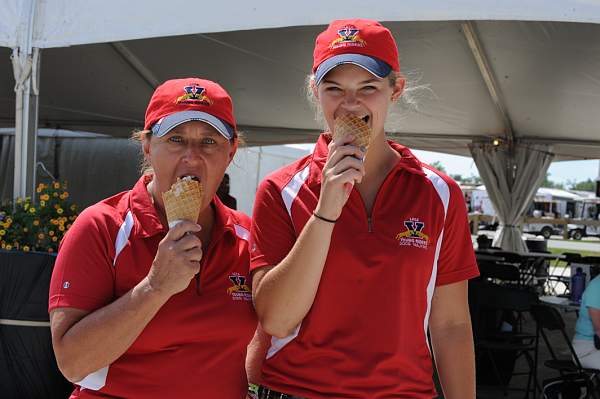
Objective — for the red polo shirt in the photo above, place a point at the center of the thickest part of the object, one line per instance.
(365, 335)
(195, 345)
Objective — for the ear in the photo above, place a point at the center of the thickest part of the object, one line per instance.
(398, 88)
(146, 147)
(233, 149)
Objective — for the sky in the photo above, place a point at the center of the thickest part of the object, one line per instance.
(560, 172)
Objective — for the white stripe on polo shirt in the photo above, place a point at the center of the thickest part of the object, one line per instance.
(289, 194)
(97, 380)
(123, 235)
(94, 381)
(290, 191)
(241, 232)
(441, 187)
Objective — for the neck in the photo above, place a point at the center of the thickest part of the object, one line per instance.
(380, 159)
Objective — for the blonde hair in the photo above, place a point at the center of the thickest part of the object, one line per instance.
(140, 136)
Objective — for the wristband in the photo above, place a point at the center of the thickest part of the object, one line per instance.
(323, 219)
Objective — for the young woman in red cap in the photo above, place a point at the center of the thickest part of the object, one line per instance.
(358, 253)
(128, 318)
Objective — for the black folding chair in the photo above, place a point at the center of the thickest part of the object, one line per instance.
(548, 319)
(497, 350)
(499, 273)
(564, 275)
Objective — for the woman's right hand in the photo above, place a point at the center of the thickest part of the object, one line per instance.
(177, 260)
(344, 167)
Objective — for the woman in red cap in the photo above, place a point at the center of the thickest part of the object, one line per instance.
(358, 252)
(128, 318)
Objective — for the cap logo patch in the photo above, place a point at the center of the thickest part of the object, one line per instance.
(194, 94)
(348, 38)
(413, 235)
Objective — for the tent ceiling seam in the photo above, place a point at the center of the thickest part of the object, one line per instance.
(468, 29)
(136, 64)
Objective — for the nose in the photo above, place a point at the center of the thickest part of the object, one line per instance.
(350, 98)
(193, 153)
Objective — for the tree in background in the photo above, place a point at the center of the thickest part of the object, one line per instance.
(438, 165)
(470, 180)
(551, 184)
(587, 185)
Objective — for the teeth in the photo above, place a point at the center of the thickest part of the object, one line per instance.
(190, 177)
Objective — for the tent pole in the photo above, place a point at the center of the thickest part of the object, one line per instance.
(26, 62)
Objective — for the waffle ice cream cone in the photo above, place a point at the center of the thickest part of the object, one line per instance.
(183, 201)
(351, 124)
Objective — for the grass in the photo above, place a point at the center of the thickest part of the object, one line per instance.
(583, 253)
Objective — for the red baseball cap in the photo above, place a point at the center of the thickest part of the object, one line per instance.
(362, 42)
(178, 101)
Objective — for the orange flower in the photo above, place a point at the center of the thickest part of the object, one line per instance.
(36, 222)
(51, 233)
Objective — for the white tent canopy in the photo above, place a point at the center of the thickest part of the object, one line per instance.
(525, 72)
(101, 60)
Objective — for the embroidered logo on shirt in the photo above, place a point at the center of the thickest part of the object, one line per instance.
(239, 291)
(413, 235)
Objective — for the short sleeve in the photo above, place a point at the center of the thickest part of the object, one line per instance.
(456, 260)
(592, 295)
(272, 234)
(83, 275)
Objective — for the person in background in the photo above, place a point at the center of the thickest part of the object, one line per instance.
(138, 310)
(356, 253)
(223, 193)
(588, 326)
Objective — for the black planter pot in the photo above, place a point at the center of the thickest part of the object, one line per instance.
(27, 364)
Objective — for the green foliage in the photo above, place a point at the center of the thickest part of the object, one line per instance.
(551, 184)
(438, 165)
(587, 185)
(41, 226)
